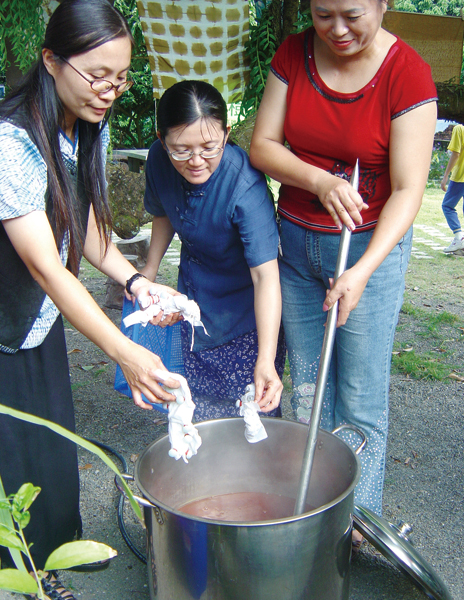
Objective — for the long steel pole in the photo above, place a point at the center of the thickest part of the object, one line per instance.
(324, 365)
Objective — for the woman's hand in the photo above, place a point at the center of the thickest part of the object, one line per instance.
(341, 200)
(139, 366)
(141, 289)
(268, 386)
(347, 290)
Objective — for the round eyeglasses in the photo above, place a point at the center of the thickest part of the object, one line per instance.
(102, 86)
(183, 155)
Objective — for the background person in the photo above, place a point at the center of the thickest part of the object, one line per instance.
(205, 189)
(455, 188)
(53, 210)
(346, 89)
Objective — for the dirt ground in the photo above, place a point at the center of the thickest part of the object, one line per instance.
(425, 463)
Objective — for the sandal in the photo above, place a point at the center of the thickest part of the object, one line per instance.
(53, 588)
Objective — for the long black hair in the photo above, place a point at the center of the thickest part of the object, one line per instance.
(186, 102)
(75, 27)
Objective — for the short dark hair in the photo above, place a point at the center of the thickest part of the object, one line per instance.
(186, 102)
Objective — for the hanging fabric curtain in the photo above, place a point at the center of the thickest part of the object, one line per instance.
(197, 39)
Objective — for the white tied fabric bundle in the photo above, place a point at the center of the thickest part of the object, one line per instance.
(169, 304)
(254, 429)
(183, 435)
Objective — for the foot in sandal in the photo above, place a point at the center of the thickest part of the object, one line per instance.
(53, 588)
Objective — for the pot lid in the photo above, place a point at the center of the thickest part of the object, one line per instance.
(393, 542)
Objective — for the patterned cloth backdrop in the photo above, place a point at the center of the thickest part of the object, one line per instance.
(197, 39)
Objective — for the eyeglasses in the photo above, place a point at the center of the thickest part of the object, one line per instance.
(102, 86)
(187, 154)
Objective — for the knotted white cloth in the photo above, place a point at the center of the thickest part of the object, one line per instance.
(169, 304)
(254, 429)
(183, 435)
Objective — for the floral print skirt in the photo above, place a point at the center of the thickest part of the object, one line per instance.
(217, 377)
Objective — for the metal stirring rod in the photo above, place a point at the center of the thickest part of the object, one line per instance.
(324, 365)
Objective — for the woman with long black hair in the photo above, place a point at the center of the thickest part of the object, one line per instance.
(53, 210)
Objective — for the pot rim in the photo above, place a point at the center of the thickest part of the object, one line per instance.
(290, 519)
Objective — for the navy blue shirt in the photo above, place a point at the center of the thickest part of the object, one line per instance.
(226, 226)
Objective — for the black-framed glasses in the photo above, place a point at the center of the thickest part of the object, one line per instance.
(183, 155)
(102, 86)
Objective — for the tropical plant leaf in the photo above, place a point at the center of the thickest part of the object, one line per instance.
(17, 582)
(25, 496)
(6, 519)
(78, 553)
(9, 539)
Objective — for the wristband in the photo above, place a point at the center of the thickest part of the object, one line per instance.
(131, 280)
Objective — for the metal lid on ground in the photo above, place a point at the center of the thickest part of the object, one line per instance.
(393, 542)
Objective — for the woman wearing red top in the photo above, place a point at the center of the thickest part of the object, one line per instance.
(344, 90)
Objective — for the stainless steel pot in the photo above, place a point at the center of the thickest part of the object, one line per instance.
(295, 558)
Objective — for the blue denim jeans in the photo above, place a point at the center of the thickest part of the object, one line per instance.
(359, 374)
(454, 193)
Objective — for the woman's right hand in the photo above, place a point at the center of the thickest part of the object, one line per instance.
(139, 366)
(341, 200)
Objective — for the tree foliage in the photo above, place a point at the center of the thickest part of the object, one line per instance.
(22, 28)
(451, 8)
(133, 122)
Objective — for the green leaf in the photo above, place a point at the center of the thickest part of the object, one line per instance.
(9, 539)
(78, 553)
(22, 518)
(17, 581)
(6, 519)
(5, 410)
(25, 496)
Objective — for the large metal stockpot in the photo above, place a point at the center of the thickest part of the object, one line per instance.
(294, 558)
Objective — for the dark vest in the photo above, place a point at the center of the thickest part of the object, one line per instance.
(20, 296)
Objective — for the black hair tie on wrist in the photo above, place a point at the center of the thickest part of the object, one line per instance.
(131, 280)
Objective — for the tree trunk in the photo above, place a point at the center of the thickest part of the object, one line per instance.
(451, 102)
(275, 16)
(289, 16)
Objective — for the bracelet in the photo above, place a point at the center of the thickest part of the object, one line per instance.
(131, 280)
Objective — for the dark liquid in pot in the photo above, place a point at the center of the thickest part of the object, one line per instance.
(242, 506)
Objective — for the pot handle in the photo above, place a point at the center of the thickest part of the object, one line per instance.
(360, 432)
(138, 499)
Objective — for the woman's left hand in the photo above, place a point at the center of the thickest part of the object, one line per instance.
(347, 290)
(268, 386)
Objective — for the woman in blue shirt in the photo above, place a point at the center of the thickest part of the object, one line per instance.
(205, 190)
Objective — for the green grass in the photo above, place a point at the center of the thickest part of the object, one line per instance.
(433, 301)
(442, 273)
(428, 365)
(87, 271)
(433, 321)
